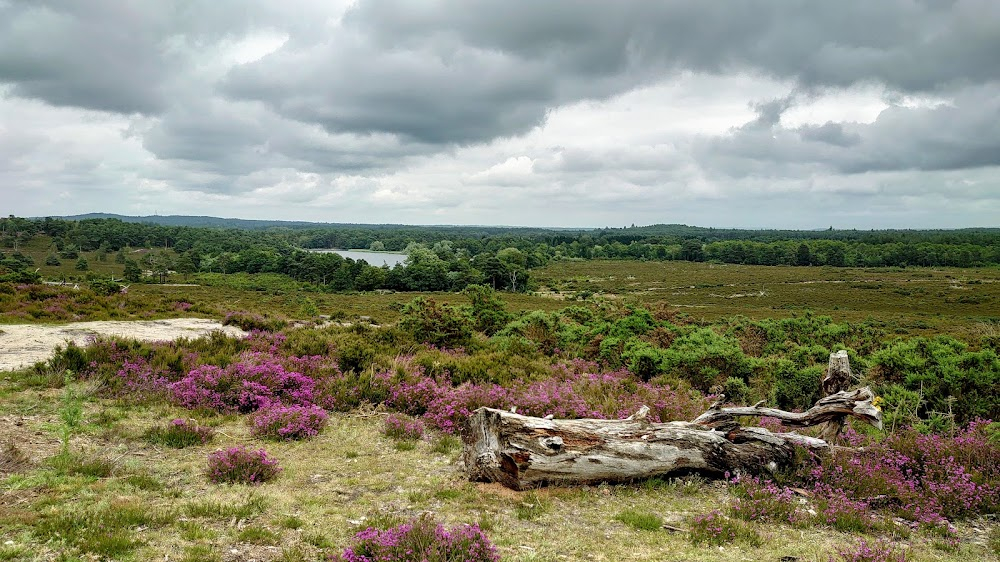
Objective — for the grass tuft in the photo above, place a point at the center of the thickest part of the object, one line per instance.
(318, 540)
(253, 505)
(73, 464)
(258, 535)
(12, 458)
(145, 482)
(179, 434)
(194, 531)
(291, 522)
(640, 520)
(532, 506)
(201, 553)
(446, 444)
(404, 446)
(106, 531)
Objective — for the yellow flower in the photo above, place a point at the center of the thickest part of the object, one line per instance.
(877, 403)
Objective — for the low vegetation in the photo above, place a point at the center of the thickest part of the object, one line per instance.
(109, 451)
(239, 465)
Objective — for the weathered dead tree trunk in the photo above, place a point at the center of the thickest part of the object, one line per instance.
(837, 378)
(524, 452)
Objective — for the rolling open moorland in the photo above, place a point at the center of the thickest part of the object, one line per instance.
(330, 418)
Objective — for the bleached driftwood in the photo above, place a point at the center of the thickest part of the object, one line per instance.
(523, 452)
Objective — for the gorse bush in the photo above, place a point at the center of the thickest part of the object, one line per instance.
(487, 309)
(287, 423)
(441, 325)
(950, 377)
(705, 358)
(180, 433)
(421, 540)
(239, 465)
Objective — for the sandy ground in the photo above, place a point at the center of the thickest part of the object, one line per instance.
(22, 345)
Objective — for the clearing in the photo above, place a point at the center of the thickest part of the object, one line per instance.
(22, 345)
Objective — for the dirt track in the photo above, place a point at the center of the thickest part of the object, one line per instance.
(22, 345)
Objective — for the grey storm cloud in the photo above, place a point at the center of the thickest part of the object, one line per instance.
(963, 133)
(387, 87)
(829, 133)
(109, 55)
(465, 71)
(468, 71)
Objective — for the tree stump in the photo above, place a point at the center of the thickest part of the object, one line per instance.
(836, 379)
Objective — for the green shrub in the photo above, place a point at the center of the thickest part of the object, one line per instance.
(642, 359)
(355, 357)
(965, 384)
(249, 321)
(705, 359)
(797, 388)
(541, 328)
(487, 309)
(105, 287)
(440, 325)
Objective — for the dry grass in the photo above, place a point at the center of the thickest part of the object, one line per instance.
(916, 299)
(339, 482)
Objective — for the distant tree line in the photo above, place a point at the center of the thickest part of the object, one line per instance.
(451, 258)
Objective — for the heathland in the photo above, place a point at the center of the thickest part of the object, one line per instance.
(356, 380)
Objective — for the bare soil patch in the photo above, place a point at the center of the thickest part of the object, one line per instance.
(22, 345)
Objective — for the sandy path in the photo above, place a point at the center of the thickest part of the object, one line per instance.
(22, 345)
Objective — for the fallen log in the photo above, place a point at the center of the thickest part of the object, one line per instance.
(523, 452)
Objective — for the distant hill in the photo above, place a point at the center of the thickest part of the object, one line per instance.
(251, 224)
(198, 221)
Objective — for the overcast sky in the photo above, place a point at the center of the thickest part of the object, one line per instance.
(745, 113)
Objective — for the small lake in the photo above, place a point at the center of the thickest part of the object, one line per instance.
(377, 259)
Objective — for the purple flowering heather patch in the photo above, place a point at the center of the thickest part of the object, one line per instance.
(869, 552)
(255, 381)
(287, 423)
(574, 390)
(399, 427)
(925, 478)
(239, 465)
(763, 500)
(422, 540)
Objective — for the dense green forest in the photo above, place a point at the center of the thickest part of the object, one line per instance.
(449, 258)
